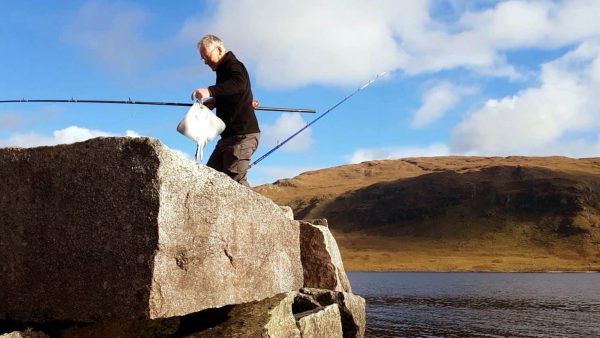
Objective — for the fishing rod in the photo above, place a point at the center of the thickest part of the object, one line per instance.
(129, 101)
(316, 119)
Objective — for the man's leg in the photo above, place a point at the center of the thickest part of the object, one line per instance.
(236, 158)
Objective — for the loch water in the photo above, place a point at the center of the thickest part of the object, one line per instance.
(406, 304)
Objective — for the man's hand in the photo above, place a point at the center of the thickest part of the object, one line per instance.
(254, 103)
(210, 103)
(200, 93)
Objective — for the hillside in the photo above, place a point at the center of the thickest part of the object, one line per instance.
(456, 213)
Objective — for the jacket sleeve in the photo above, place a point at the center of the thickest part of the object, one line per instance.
(234, 84)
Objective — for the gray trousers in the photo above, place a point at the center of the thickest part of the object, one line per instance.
(232, 156)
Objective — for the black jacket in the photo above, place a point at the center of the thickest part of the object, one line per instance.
(233, 97)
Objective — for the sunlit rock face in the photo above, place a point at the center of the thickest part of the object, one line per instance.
(119, 228)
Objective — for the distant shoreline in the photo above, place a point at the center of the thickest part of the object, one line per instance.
(362, 253)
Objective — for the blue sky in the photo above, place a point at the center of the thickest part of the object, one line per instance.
(492, 78)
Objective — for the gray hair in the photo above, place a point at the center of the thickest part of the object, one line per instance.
(209, 41)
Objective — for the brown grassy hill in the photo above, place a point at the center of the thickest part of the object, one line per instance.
(456, 213)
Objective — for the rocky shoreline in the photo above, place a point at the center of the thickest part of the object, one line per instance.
(124, 237)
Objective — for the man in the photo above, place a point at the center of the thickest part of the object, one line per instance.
(234, 102)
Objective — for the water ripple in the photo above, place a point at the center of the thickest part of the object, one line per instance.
(480, 305)
(488, 303)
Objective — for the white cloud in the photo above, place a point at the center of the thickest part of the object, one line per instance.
(285, 126)
(290, 43)
(112, 35)
(9, 121)
(132, 133)
(369, 154)
(62, 136)
(437, 101)
(555, 117)
(295, 43)
(573, 148)
(546, 24)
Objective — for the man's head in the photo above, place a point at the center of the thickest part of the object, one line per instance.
(211, 50)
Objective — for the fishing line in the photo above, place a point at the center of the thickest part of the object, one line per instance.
(316, 119)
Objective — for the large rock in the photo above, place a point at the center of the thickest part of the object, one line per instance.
(320, 323)
(24, 334)
(351, 307)
(270, 317)
(321, 259)
(120, 228)
(289, 213)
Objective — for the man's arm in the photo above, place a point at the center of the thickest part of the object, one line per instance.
(210, 102)
(235, 84)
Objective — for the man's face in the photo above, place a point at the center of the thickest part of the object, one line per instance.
(211, 55)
